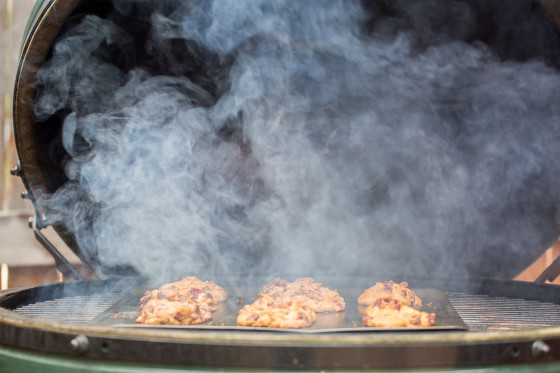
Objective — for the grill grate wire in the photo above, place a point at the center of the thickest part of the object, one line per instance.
(81, 309)
(482, 312)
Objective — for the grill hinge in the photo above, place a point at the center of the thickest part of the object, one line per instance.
(62, 264)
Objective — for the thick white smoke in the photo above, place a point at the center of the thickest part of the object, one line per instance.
(302, 138)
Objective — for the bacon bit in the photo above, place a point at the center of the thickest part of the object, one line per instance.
(432, 318)
(388, 286)
(253, 317)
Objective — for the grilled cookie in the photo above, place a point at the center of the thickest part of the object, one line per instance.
(308, 292)
(165, 312)
(390, 290)
(189, 301)
(212, 291)
(386, 313)
(276, 312)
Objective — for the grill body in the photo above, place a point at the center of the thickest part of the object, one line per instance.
(17, 360)
(511, 324)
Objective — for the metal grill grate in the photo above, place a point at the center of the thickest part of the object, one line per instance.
(71, 309)
(479, 312)
(482, 312)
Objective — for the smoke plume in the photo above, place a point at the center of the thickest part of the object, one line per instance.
(302, 138)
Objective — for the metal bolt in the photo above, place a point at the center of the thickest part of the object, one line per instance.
(16, 171)
(24, 195)
(30, 222)
(539, 348)
(41, 223)
(80, 344)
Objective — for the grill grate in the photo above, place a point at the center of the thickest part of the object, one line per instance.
(479, 312)
(71, 309)
(482, 312)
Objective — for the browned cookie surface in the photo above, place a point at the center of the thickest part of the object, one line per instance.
(317, 297)
(385, 313)
(276, 312)
(184, 302)
(185, 295)
(213, 293)
(390, 290)
(165, 312)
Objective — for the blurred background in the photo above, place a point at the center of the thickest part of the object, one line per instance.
(23, 261)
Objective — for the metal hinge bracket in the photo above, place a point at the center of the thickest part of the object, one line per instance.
(62, 264)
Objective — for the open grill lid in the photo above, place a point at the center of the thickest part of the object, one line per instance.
(42, 157)
(40, 165)
(43, 26)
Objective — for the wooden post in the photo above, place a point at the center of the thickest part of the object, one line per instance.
(6, 8)
(4, 276)
(14, 15)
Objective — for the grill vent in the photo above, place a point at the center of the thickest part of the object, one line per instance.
(482, 312)
(71, 309)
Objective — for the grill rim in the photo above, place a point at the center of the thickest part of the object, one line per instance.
(280, 350)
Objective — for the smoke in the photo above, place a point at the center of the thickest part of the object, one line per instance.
(302, 138)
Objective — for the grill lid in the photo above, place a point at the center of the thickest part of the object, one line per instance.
(42, 164)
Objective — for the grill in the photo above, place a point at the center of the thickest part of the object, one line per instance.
(509, 324)
(503, 329)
